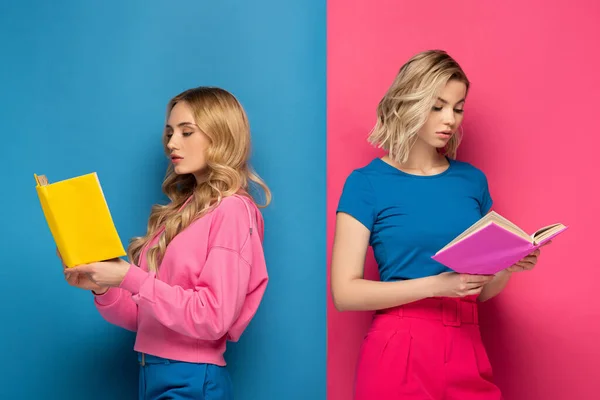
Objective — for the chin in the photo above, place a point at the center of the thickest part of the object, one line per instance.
(438, 144)
(441, 143)
(179, 171)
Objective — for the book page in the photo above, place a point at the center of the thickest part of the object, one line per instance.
(100, 186)
(42, 180)
(546, 231)
(509, 226)
(490, 218)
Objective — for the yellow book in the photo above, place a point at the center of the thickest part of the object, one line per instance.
(79, 219)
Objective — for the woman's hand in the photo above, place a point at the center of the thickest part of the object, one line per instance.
(528, 262)
(104, 273)
(452, 284)
(80, 279)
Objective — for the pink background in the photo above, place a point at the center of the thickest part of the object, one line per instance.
(532, 124)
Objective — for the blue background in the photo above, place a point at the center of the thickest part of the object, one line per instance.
(83, 88)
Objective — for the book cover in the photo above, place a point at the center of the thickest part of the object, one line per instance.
(489, 248)
(79, 219)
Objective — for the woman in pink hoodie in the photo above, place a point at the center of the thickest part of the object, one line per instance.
(196, 279)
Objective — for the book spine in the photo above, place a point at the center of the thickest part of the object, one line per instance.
(51, 221)
(114, 227)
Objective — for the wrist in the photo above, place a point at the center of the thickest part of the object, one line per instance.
(433, 286)
(504, 274)
(126, 268)
(100, 292)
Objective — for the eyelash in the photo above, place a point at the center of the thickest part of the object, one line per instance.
(455, 110)
(185, 134)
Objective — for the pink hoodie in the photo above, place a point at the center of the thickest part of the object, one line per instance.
(208, 287)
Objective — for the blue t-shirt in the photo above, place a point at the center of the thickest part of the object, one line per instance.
(411, 217)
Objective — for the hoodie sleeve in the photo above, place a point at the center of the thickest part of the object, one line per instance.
(209, 310)
(117, 307)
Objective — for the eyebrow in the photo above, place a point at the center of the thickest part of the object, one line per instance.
(446, 102)
(182, 124)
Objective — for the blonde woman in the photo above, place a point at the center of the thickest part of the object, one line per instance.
(197, 277)
(424, 341)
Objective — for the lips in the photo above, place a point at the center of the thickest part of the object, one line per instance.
(175, 159)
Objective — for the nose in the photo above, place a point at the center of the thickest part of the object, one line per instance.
(448, 117)
(171, 144)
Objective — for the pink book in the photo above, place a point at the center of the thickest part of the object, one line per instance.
(492, 244)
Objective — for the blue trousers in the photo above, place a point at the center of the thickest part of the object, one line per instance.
(164, 379)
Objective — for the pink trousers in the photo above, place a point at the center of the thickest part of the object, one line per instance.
(427, 350)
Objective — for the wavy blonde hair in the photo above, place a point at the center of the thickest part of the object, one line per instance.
(406, 105)
(223, 120)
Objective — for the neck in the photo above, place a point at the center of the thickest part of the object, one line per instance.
(200, 177)
(423, 157)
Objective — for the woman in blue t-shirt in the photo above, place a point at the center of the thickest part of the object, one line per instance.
(424, 341)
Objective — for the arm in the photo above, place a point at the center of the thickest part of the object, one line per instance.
(117, 307)
(224, 295)
(206, 312)
(352, 292)
(501, 279)
(495, 286)
(349, 288)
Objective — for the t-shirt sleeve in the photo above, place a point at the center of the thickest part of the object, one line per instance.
(357, 199)
(486, 199)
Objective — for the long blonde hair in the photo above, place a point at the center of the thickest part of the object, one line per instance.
(223, 120)
(404, 108)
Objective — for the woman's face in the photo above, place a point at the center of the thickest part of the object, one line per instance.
(187, 145)
(445, 116)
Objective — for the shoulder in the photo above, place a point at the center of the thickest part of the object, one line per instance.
(357, 183)
(232, 221)
(373, 167)
(469, 169)
(363, 175)
(358, 196)
(227, 225)
(235, 211)
(235, 205)
(232, 213)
